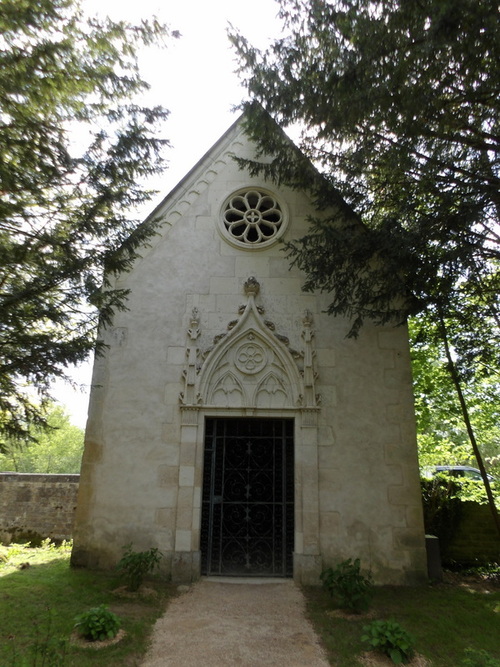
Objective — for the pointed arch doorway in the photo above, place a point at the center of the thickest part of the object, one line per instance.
(247, 526)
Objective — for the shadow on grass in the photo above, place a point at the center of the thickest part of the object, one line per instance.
(39, 603)
(444, 619)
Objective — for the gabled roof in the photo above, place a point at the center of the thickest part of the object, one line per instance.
(200, 167)
(179, 199)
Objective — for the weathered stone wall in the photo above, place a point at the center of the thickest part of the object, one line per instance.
(37, 506)
(173, 359)
(34, 506)
(476, 539)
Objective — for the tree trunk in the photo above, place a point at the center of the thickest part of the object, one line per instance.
(465, 413)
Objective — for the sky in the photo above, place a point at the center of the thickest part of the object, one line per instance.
(194, 77)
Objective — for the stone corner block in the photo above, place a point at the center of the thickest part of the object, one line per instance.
(307, 568)
(186, 567)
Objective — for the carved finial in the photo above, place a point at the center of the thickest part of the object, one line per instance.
(252, 286)
(193, 331)
(308, 319)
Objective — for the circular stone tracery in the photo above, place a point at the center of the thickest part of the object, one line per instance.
(250, 358)
(253, 218)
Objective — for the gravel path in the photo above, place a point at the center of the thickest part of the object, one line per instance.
(217, 623)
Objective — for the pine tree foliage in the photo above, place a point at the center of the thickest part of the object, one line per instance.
(76, 148)
(398, 109)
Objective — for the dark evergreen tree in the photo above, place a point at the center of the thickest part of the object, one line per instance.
(75, 148)
(397, 107)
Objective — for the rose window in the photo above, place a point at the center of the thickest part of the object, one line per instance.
(253, 218)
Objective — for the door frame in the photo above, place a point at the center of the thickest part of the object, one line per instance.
(221, 500)
(186, 557)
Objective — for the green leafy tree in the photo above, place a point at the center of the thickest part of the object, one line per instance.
(398, 109)
(55, 449)
(75, 149)
(442, 436)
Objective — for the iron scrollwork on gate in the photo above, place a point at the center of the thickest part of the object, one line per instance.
(247, 515)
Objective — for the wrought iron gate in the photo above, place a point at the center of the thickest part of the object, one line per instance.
(247, 522)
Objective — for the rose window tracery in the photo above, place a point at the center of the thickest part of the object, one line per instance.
(253, 217)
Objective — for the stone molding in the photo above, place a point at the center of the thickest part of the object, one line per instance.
(250, 366)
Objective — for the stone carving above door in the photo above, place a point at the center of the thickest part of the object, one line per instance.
(250, 357)
(250, 365)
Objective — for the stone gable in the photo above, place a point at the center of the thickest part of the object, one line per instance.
(217, 328)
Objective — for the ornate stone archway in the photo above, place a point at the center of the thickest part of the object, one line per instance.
(250, 370)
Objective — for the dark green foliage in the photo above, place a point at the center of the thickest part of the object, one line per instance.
(391, 639)
(98, 624)
(442, 508)
(489, 572)
(480, 658)
(445, 620)
(75, 149)
(135, 565)
(50, 652)
(38, 606)
(348, 586)
(398, 108)
(47, 650)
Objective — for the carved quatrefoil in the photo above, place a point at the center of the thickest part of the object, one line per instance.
(250, 358)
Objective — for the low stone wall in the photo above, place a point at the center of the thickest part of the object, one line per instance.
(34, 507)
(476, 539)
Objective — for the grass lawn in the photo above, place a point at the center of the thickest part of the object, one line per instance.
(39, 603)
(444, 619)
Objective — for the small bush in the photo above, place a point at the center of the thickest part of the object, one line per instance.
(442, 509)
(345, 583)
(98, 624)
(56, 545)
(51, 651)
(391, 639)
(479, 659)
(135, 565)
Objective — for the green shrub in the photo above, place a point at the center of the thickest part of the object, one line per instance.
(135, 565)
(479, 659)
(391, 639)
(442, 509)
(51, 651)
(345, 583)
(98, 624)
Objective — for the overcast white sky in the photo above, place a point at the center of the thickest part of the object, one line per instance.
(194, 78)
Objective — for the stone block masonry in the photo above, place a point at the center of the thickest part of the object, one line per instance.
(36, 506)
(476, 540)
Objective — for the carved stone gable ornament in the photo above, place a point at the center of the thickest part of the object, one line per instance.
(249, 366)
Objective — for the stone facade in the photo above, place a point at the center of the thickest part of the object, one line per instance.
(218, 327)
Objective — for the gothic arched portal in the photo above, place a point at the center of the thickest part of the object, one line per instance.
(249, 404)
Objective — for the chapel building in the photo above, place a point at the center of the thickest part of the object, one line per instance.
(232, 424)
